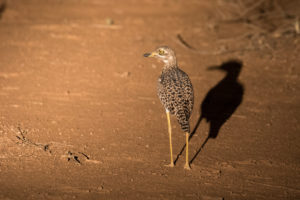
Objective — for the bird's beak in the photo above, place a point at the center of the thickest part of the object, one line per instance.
(150, 54)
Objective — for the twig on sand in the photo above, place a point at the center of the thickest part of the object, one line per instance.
(248, 10)
(73, 156)
(70, 155)
(254, 21)
(25, 140)
(183, 42)
(76, 157)
(86, 156)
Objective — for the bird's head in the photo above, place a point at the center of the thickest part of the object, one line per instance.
(164, 54)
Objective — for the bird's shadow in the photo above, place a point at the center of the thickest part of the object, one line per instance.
(219, 103)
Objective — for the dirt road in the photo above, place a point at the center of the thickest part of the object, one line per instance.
(80, 118)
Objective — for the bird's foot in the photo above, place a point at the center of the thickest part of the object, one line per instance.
(170, 165)
(187, 166)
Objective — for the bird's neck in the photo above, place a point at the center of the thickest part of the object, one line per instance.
(168, 67)
(170, 62)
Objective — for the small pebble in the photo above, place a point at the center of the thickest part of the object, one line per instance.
(100, 187)
(109, 21)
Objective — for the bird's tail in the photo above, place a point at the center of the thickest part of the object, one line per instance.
(183, 119)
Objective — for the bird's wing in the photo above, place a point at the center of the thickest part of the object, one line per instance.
(175, 91)
(164, 92)
(187, 90)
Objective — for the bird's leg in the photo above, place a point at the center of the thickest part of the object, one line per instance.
(187, 164)
(170, 138)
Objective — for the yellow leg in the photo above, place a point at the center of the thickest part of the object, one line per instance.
(187, 164)
(170, 138)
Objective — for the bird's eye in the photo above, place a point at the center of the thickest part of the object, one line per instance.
(161, 52)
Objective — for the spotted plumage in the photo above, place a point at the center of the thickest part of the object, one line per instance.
(175, 92)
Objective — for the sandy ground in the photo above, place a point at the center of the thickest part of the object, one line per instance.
(80, 118)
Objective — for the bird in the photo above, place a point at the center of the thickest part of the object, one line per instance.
(175, 91)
